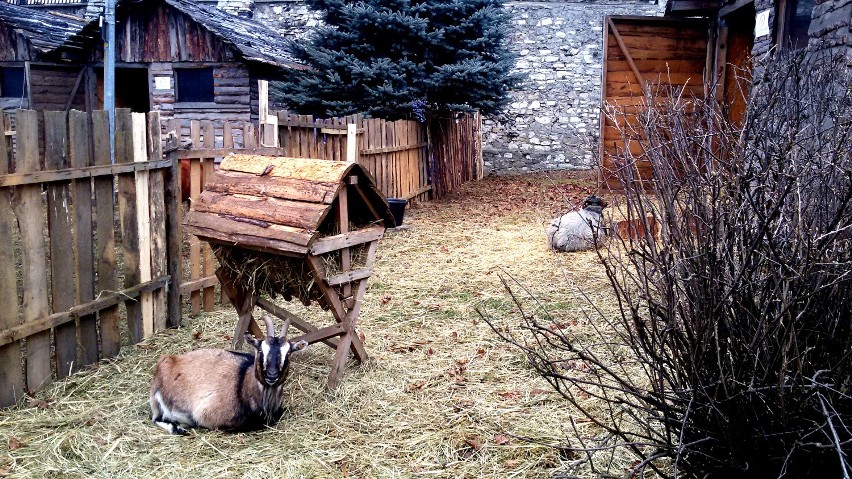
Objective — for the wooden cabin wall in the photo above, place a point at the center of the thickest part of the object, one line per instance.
(13, 47)
(158, 33)
(50, 87)
(231, 92)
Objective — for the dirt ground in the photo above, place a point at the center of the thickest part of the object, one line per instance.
(441, 395)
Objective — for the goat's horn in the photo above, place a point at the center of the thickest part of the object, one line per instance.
(284, 328)
(270, 328)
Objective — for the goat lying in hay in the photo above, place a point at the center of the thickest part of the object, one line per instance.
(578, 230)
(219, 389)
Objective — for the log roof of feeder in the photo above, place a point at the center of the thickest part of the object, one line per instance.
(44, 30)
(283, 205)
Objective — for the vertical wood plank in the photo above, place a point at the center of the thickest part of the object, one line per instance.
(129, 222)
(174, 240)
(208, 261)
(195, 176)
(80, 155)
(11, 363)
(156, 185)
(60, 228)
(105, 230)
(28, 208)
(343, 218)
(143, 220)
(249, 140)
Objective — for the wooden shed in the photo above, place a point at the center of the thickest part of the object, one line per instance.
(187, 60)
(702, 43)
(32, 73)
(301, 229)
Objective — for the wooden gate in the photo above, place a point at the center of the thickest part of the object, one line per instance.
(645, 53)
(72, 254)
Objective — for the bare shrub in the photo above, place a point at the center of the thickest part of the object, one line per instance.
(731, 353)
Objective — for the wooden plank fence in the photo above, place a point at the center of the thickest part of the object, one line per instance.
(396, 153)
(70, 233)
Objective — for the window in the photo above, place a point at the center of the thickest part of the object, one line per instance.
(12, 82)
(795, 19)
(194, 85)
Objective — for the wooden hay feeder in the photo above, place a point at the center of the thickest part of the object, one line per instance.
(300, 228)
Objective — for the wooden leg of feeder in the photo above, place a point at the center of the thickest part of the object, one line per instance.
(339, 363)
(351, 320)
(243, 302)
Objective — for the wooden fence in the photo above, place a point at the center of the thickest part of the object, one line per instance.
(407, 159)
(85, 243)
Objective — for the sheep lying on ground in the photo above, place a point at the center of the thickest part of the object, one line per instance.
(578, 230)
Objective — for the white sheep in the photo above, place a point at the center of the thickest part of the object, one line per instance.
(578, 230)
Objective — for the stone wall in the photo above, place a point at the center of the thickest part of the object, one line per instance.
(553, 121)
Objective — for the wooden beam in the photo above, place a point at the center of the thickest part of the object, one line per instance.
(198, 284)
(105, 301)
(350, 276)
(320, 335)
(222, 152)
(74, 90)
(77, 173)
(626, 53)
(345, 240)
(296, 321)
(392, 149)
(419, 192)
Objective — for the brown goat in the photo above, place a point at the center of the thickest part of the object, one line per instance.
(219, 389)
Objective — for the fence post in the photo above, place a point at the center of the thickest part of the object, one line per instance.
(143, 221)
(352, 143)
(28, 209)
(11, 368)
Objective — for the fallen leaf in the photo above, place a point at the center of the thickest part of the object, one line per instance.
(474, 442)
(538, 391)
(385, 299)
(480, 352)
(362, 337)
(429, 352)
(512, 463)
(15, 443)
(227, 337)
(509, 394)
(501, 439)
(415, 386)
(196, 335)
(41, 404)
(407, 348)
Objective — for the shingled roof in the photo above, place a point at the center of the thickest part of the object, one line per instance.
(254, 41)
(45, 31)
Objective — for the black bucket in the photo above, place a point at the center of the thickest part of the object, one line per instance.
(397, 208)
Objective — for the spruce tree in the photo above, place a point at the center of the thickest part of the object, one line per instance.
(402, 59)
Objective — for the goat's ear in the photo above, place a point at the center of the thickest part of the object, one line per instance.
(298, 346)
(252, 340)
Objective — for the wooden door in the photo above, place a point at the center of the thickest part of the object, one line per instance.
(737, 35)
(640, 53)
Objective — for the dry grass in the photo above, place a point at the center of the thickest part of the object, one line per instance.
(441, 396)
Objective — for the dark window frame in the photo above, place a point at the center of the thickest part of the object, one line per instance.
(22, 93)
(791, 31)
(206, 97)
